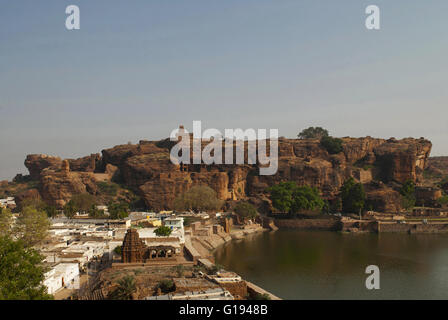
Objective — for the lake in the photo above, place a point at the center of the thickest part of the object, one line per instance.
(330, 265)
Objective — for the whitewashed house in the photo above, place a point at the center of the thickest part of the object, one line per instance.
(62, 275)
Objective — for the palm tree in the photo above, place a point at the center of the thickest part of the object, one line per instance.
(126, 286)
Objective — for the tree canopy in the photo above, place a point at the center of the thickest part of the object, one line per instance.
(31, 202)
(313, 133)
(245, 210)
(332, 145)
(118, 249)
(51, 211)
(166, 286)
(83, 201)
(353, 196)
(108, 188)
(288, 197)
(21, 272)
(163, 231)
(126, 287)
(118, 210)
(94, 212)
(31, 226)
(70, 209)
(443, 201)
(407, 192)
(5, 221)
(198, 198)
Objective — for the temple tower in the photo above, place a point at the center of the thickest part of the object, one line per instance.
(133, 247)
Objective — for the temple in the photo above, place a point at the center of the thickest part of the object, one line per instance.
(135, 250)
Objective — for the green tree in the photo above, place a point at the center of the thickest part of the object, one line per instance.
(118, 210)
(83, 201)
(332, 145)
(282, 196)
(336, 205)
(31, 226)
(306, 198)
(326, 207)
(313, 133)
(258, 296)
(288, 197)
(353, 196)
(5, 222)
(180, 269)
(443, 201)
(163, 231)
(70, 209)
(108, 188)
(407, 192)
(198, 198)
(117, 250)
(21, 272)
(94, 212)
(166, 286)
(126, 287)
(215, 268)
(51, 211)
(32, 202)
(245, 210)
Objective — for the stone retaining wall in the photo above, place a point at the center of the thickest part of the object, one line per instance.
(309, 224)
(413, 227)
(254, 289)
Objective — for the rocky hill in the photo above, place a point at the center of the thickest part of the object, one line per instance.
(145, 168)
(437, 168)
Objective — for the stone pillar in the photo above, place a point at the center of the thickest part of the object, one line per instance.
(65, 166)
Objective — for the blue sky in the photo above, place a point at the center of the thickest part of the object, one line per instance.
(137, 69)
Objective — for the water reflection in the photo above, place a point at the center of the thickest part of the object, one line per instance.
(330, 265)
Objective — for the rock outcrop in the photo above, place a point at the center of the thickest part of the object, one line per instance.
(402, 160)
(86, 164)
(382, 198)
(35, 163)
(437, 167)
(147, 169)
(30, 194)
(57, 184)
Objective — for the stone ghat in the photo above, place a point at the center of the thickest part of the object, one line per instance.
(309, 224)
(214, 241)
(254, 289)
(413, 228)
(357, 226)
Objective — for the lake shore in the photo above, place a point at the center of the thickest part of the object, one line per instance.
(204, 247)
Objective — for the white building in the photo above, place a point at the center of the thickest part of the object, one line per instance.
(176, 238)
(63, 275)
(222, 277)
(174, 222)
(8, 202)
(210, 294)
(177, 226)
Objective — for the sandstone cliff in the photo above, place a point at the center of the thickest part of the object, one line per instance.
(147, 169)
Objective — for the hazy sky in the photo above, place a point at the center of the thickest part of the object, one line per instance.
(137, 69)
